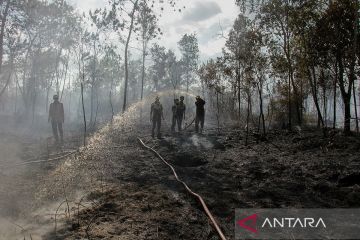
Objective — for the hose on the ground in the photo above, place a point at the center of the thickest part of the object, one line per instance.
(186, 127)
(41, 161)
(206, 209)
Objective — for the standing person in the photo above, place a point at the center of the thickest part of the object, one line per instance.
(56, 116)
(181, 112)
(200, 114)
(156, 114)
(175, 117)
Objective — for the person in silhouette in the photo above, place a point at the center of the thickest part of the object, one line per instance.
(181, 113)
(156, 114)
(200, 114)
(56, 117)
(175, 117)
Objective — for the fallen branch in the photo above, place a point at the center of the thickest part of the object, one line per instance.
(206, 209)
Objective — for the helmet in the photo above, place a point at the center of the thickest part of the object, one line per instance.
(182, 98)
(197, 97)
(157, 98)
(56, 97)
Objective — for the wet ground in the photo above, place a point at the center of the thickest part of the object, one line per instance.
(115, 189)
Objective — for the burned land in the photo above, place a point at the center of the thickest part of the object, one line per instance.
(116, 189)
(93, 95)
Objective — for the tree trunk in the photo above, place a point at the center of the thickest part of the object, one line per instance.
(247, 119)
(111, 106)
(289, 102)
(9, 75)
(218, 111)
(324, 98)
(239, 92)
(335, 85)
(96, 112)
(346, 96)
(83, 110)
(142, 77)
(132, 16)
(91, 106)
(312, 80)
(2, 31)
(143, 71)
(347, 124)
(356, 112)
(262, 117)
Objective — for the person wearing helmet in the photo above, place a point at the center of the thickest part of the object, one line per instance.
(156, 114)
(56, 117)
(200, 114)
(181, 112)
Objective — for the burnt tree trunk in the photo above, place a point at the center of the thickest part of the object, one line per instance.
(132, 16)
(83, 110)
(335, 95)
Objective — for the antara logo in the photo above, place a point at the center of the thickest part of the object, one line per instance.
(294, 222)
(251, 228)
(249, 223)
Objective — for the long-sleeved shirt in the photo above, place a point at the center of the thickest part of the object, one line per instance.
(56, 112)
(200, 110)
(156, 110)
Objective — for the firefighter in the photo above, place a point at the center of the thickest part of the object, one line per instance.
(175, 117)
(156, 114)
(181, 113)
(56, 117)
(200, 114)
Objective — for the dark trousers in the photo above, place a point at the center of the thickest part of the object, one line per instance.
(173, 123)
(57, 129)
(200, 118)
(156, 124)
(179, 122)
(176, 120)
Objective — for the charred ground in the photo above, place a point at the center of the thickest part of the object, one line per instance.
(118, 190)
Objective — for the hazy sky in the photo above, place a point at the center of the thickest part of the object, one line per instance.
(204, 17)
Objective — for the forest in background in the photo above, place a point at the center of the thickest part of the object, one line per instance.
(285, 63)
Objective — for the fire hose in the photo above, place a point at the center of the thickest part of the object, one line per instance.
(201, 200)
(186, 127)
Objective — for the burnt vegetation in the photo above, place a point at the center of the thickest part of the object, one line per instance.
(281, 119)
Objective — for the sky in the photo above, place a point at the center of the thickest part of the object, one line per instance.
(209, 19)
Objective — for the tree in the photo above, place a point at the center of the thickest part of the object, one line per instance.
(211, 74)
(148, 29)
(189, 49)
(235, 45)
(115, 18)
(158, 67)
(174, 70)
(337, 36)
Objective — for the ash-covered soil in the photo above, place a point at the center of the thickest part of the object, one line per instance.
(20, 212)
(115, 189)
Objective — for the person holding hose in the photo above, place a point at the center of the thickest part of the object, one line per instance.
(181, 113)
(200, 114)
